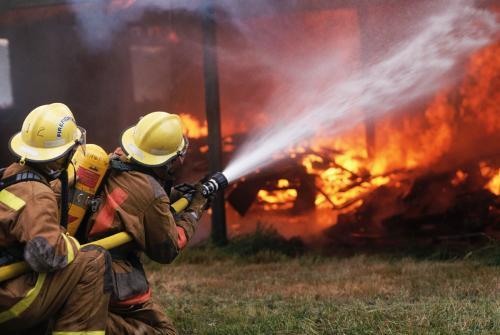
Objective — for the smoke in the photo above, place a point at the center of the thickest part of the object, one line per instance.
(100, 21)
(412, 69)
(319, 93)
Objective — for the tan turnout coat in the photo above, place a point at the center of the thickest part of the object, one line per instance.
(68, 287)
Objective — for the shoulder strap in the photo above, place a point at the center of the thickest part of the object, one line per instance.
(118, 165)
(21, 177)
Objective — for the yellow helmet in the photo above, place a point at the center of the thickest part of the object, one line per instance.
(48, 133)
(156, 140)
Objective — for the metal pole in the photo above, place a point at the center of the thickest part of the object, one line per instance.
(212, 108)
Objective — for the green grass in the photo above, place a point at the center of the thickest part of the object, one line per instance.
(244, 290)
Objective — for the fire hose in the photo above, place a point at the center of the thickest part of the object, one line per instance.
(216, 182)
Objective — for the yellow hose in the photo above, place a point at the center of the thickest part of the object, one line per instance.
(16, 269)
(13, 270)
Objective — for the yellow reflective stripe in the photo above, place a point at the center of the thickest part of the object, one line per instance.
(75, 241)
(25, 302)
(92, 332)
(69, 247)
(11, 200)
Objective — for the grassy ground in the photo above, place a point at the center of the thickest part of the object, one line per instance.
(268, 292)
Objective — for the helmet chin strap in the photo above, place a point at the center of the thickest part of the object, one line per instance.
(54, 174)
(62, 174)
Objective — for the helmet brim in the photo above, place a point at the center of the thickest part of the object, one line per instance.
(143, 157)
(39, 155)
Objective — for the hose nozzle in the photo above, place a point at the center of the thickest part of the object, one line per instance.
(216, 182)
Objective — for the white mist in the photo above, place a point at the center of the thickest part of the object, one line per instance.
(413, 69)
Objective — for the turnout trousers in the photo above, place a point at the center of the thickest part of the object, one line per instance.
(73, 300)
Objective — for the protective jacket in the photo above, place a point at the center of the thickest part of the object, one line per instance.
(76, 296)
(46, 246)
(136, 202)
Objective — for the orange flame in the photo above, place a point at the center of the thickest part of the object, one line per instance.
(282, 198)
(493, 174)
(193, 128)
(459, 178)
(494, 184)
(406, 142)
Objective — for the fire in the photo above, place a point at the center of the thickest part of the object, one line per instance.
(405, 144)
(341, 184)
(460, 177)
(283, 198)
(494, 184)
(193, 127)
(493, 175)
(411, 142)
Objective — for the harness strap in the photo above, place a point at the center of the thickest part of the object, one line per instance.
(121, 166)
(21, 177)
(10, 255)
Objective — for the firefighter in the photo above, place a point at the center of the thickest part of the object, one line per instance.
(67, 288)
(135, 199)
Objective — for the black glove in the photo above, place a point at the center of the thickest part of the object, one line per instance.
(210, 199)
(174, 195)
(199, 201)
(183, 190)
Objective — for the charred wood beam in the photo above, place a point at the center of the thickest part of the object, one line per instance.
(212, 107)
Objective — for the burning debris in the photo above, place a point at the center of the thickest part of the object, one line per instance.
(451, 132)
(434, 173)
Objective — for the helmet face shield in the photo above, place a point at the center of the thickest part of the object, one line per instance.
(184, 150)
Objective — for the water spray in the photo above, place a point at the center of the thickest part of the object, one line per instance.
(412, 69)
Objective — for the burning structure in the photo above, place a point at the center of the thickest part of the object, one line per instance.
(426, 173)
(429, 170)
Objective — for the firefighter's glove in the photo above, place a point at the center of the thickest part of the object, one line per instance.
(198, 201)
(182, 190)
(210, 199)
